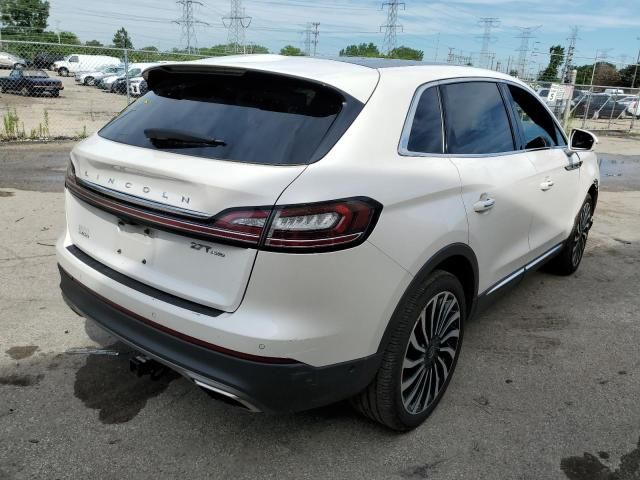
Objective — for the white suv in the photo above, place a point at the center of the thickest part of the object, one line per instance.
(289, 232)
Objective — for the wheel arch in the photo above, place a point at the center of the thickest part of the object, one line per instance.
(459, 260)
(593, 191)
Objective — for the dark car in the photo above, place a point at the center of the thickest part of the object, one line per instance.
(45, 60)
(599, 106)
(120, 85)
(30, 82)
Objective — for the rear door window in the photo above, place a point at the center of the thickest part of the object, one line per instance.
(426, 127)
(476, 120)
(253, 117)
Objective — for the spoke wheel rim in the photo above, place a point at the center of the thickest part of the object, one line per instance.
(431, 352)
(582, 233)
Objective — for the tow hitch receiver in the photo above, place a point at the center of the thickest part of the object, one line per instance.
(142, 365)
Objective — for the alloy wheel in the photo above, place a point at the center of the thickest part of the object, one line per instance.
(431, 352)
(581, 235)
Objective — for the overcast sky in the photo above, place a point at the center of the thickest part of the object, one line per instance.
(611, 26)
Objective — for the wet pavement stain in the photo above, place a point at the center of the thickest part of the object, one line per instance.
(6, 194)
(19, 353)
(20, 380)
(588, 467)
(105, 383)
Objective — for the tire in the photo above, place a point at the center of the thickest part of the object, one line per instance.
(408, 387)
(89, 81)
(55, 93)
(570, 257)
(24, 91)
(596, 115)
(63, 72)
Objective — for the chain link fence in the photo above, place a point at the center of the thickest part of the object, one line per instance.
(56, 91)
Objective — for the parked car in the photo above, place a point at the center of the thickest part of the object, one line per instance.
(90, 78)
(30, 82)
(136, 86)
(45, 60)
(634, 108)
(289, 232)
(8, 60)
(119, 85)
(600, 105)
(82, 63)
(628, 100)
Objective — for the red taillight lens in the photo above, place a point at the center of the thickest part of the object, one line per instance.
(324, 226)
(313, 227)
(302, 228)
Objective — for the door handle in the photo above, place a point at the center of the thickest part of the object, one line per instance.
(546, 185)
(484, 204)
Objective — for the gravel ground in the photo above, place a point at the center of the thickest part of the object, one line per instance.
(547, 385)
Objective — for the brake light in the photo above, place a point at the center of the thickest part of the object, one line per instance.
(305, 228)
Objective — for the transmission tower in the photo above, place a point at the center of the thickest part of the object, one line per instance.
(236, 23)
(188, 23)
(316, 34)
(307, 39)
(525, 36)
(392, 26)
(566, 68)
(451, 54)
(488, 23)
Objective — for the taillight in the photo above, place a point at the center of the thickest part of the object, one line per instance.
(312, 227)
(306, 228)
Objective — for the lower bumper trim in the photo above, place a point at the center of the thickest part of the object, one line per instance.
(259, 386)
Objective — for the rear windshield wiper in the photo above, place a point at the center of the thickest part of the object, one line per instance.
(166, 138)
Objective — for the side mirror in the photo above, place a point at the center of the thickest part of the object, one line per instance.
(582, 140)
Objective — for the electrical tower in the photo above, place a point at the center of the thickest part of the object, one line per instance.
(392, 26)
(451, 54)
(316, 34)
(188, 23)
(566, 68)
(236, 23)
(525, 36)
(488, 23)
(307, 39)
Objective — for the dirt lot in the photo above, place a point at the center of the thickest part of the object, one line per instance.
(548, 373)
(79, 109)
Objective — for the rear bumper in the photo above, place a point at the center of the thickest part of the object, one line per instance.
(260, 386)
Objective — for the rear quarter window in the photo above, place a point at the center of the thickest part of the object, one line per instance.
(260, 118)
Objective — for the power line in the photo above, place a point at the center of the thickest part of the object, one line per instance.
(392, 26)
(489, 23)
(236, 23)
(188, 23)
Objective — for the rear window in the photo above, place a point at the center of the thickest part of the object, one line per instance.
(253, 117)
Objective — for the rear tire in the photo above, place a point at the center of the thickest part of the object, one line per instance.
(89, 81)
(570, 257)
(421, 355)
(63, 72)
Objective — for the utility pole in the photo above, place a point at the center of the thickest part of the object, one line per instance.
(435, 55)
(392, 26)
(568, 63)
(635, 71)
(58, 30)
(525, 36)
(488, 23)
(316, 34)
(236, 22)
(188, 23)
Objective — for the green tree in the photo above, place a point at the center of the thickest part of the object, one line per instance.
(121, 39)
(291, 51)
(406, 53)
(24, 17)
(257, 49)
(150, 49)
(93, 43)
(361, 50)
(556, 57)
(626, 76)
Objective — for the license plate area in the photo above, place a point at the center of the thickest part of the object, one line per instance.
(134, 242)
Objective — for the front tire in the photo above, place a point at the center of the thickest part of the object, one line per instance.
(421, 355)
(63, 72)
(570, 257)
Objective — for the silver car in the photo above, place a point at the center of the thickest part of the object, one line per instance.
(8, 60)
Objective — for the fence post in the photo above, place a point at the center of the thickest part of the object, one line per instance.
(567, 107)
(126, 74)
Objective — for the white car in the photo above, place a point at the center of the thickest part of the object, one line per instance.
(90, 78)
(134, 86)
(634, 108)
(11, 61)
(82, 63)
(289, 232)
